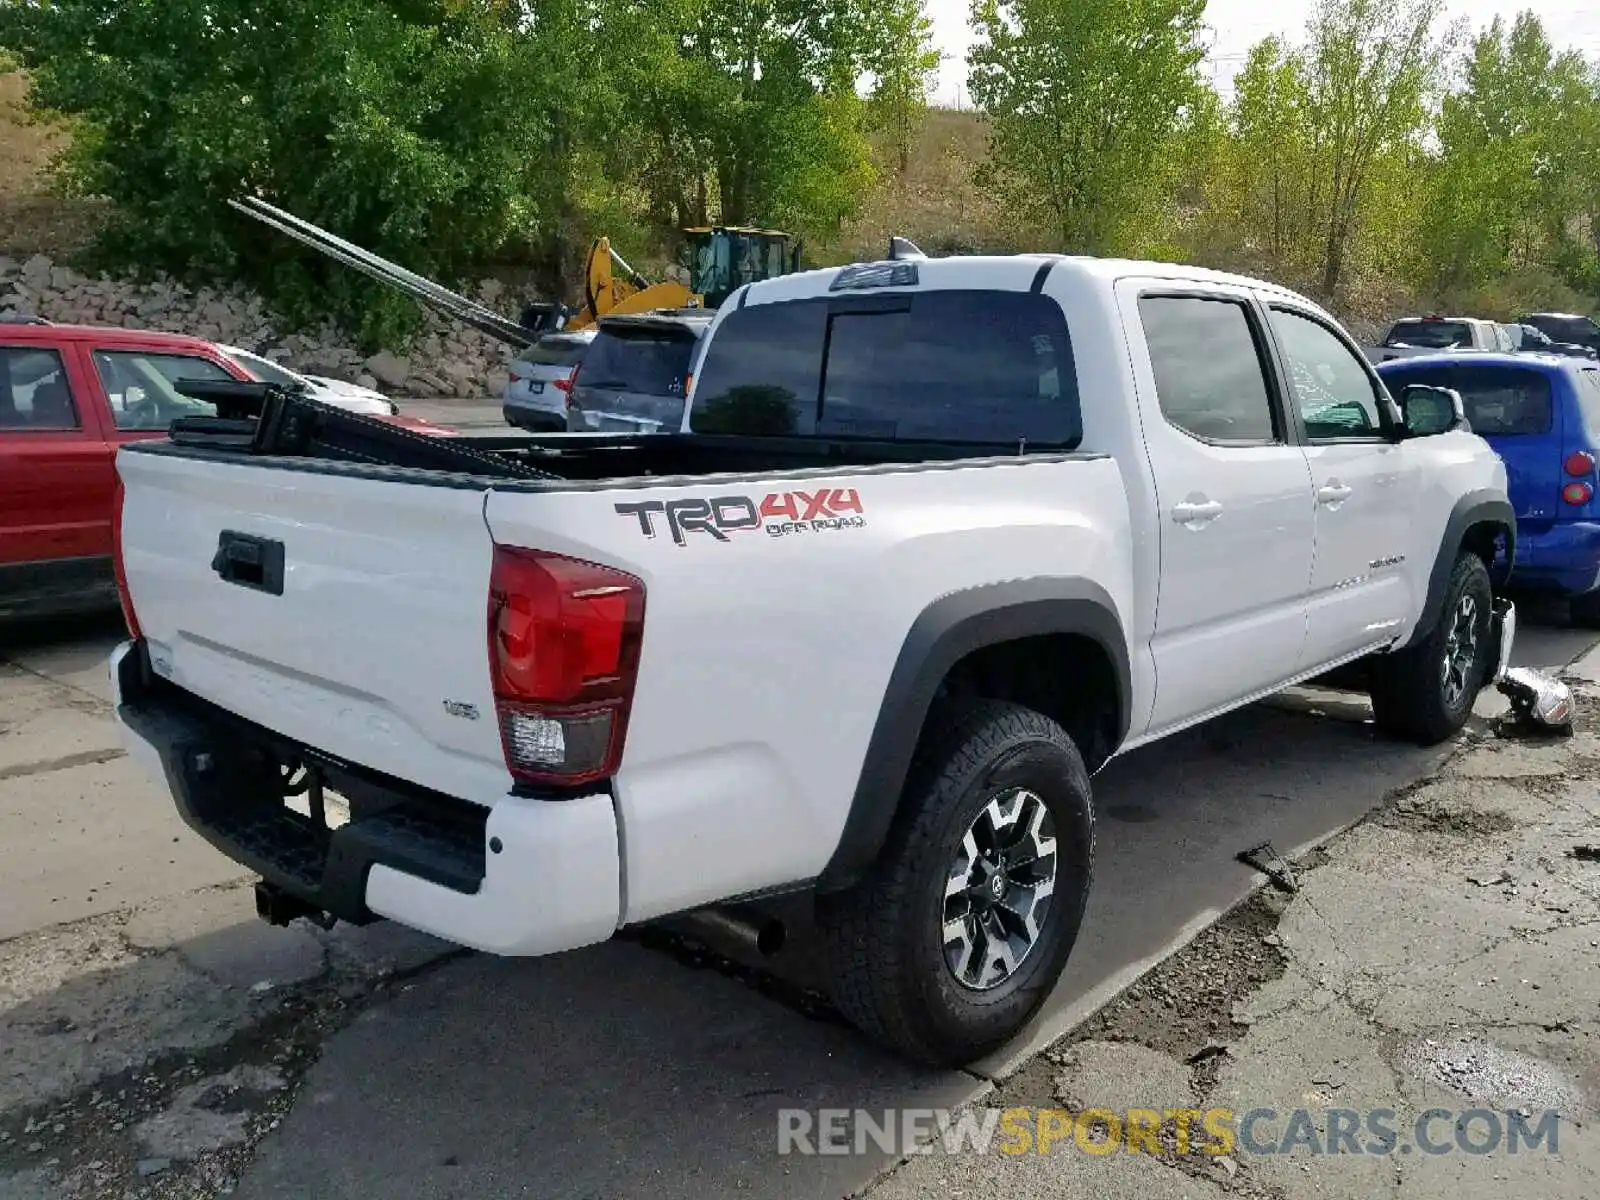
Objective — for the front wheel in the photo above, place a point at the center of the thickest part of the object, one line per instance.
(1425, 692)
(962, 926)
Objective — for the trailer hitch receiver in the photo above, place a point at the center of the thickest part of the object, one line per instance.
(278, 907)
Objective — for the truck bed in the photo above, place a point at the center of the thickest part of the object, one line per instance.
(267, 423)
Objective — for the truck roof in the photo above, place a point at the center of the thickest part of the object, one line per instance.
(1018, 269)
(1533, 360)
(146, 339)
(695, 320)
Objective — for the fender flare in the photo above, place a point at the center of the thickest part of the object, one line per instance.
(943, 634)
(1482, 507)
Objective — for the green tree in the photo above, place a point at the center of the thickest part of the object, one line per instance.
(402, 125)
(1086, 102)
(747, 111)
(907, 61)
(1494, 136)
(1570, 180)
(1273, 185)
(1370, 68)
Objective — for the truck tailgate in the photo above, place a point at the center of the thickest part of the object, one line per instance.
(345, 612)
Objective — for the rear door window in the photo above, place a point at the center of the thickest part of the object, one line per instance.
(942, 366)
(1210, 381)
(34, 392)
(1500, 401)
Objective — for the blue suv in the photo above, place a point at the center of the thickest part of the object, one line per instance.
(1541, 413)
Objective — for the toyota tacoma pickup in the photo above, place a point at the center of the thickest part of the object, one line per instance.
(938, 539)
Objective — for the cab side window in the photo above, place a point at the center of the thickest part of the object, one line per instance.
(34, 393)
(1337, 397)
(1210, 381)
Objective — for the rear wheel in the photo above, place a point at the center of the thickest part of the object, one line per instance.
(1425, 692)
(962, 926)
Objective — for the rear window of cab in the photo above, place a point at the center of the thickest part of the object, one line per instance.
(1420, 333)
(939, 366)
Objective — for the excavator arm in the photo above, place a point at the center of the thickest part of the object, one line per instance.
(613, 288)
(610, 288)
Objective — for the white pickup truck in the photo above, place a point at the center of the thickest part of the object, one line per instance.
(1413, 337)
(943, 536)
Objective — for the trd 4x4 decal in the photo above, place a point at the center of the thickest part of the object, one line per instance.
(781, 514)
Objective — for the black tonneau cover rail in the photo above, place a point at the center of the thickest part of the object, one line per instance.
(270, 420)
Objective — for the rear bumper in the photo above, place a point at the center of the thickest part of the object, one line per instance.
(525, 877)
(1502, 638)
(534, 420)
(1563, 558)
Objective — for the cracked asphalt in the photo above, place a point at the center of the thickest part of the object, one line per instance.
(1443, 953)
(157, 1041)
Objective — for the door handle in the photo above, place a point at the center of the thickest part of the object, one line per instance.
(1333, 492)
(1195, 514)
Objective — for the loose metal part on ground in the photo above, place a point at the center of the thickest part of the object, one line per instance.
(1537, 698)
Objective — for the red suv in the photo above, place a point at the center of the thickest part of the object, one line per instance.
(69, 396)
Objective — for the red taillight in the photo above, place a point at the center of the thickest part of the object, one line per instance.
(1577, 493)
(515, 378)
(124, 596)
(564, 639)
(1579, 462)
(564, 386)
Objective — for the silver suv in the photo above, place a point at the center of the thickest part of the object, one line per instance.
(541, 379)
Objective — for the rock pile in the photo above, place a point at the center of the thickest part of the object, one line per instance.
(445, 359)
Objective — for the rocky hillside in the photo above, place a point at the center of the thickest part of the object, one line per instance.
(446, 359)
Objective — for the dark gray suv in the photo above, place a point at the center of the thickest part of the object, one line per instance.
(636, 373)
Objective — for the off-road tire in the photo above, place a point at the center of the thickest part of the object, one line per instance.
(1408, 687)
(1585, 610)
(883, 935)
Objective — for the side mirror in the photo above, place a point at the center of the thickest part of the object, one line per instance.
(1428, 411)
